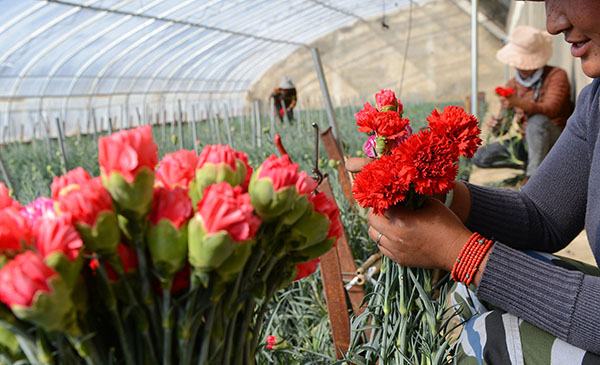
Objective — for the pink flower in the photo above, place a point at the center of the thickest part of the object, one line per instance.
(40, 208)
(15, 230)
(385, 98)
(217, 154)
(6, 200)
(305, 184)
(224, 208)
(307, 268)
(177, 169)
(57, 235)
(73, 177)
(271, 340)
(369, 146)
(174, 205)
(22, 278)
(127, 151)
(322, 204)
(85, 201)
(280, 170)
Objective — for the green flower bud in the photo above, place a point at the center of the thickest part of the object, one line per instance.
(168, 246)
(52, 311)
(235, 263)
(310, 229)
(208, 251)
(133, 199)
(210, 174)
(268, 203)
(68, 270)
(104, 236)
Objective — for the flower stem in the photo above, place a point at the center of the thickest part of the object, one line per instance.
(243, 332)
(112, 308)
(207, 334)
(167, 324)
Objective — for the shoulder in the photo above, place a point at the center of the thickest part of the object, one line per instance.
(555, 72)
(589, 97)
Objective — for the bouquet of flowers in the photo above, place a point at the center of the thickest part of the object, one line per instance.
(157, 261)
(503, 121)
(407, 317)
(411, 166)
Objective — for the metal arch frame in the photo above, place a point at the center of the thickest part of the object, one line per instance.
(309, 37)
(143, 39)
(35, 60)
(67, 56)
(242, 48)
(139, 56)
(26, 40)
(153, 78)
(107, 48)
(199, 25)
(167, 50)
(191, 68)
(96, 79)
(228, 71)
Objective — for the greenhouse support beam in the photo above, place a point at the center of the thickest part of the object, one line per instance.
(474, 60)
(325, 92)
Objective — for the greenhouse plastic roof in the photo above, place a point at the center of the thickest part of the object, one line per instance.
(76, 48)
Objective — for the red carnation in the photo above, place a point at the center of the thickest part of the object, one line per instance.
(177, 169)
(85, 201)
(6, 200)
(377, 185)
(390, 125)
(322, 204)
(127, 151)
(24, 277)
(366, 119)
(459, 126)
(425, 161)
(174, 205)
(15, 230)
(307, 268)
(280, 170)
(500, 91)
(224, 208)
(385, 98)
(74, 177)
(57, 235)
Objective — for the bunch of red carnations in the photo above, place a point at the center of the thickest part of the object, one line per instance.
(170, 261)
(502, 123)
(411, 166)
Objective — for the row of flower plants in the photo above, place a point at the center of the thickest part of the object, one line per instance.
(158, 261)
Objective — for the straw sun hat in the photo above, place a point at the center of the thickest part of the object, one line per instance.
(528, 48)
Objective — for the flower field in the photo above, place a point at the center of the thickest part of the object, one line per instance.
(294, 326)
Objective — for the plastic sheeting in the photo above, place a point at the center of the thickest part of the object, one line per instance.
(124, 59)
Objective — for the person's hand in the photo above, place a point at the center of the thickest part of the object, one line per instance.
(429, 237)
(355, 164)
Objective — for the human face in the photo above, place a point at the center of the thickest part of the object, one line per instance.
(526, 73)
(578, 20)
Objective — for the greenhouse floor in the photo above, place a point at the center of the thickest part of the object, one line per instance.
(578, 249)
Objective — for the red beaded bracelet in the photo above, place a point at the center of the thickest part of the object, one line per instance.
(470, 257)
